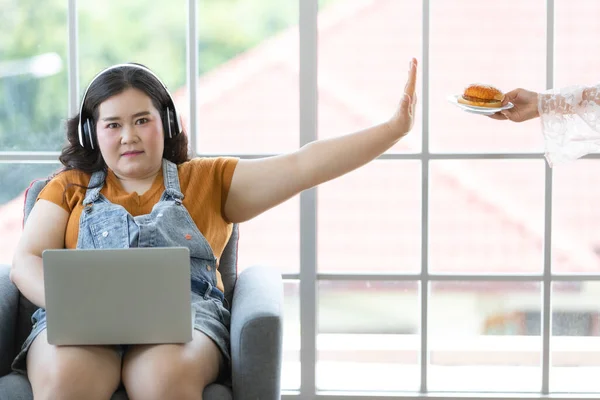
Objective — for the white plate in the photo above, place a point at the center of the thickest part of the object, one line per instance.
(478, 110)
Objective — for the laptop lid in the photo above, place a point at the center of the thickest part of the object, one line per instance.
(118, 296)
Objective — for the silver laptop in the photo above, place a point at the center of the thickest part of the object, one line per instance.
(118, 296)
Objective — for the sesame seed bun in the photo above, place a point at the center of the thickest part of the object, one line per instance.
(481, 96)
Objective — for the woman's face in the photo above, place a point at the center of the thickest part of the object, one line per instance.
(130, 135)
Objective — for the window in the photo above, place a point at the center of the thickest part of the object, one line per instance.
(442, 261)
(33, 75)
(564, 323)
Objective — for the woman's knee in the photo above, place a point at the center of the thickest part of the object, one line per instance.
(171, 371)
(164, 381)
(69, 382)
(73, 372)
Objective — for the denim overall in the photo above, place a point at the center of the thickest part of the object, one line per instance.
(104, 225)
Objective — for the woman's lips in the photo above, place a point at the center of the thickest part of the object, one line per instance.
(132, 153)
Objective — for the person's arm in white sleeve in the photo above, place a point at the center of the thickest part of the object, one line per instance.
(569, 116)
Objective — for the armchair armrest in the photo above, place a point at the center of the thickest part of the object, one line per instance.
(257, 334)
(9, 306)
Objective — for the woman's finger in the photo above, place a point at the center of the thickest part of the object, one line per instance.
(497, 116)
(412, 77)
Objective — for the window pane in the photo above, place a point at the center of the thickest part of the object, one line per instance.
(248, 85)
(290, 372)
(480, 331)
(272, 238)
(365, 343)
(486, 216)
(370, 219)
(157, 39)
(33, 74)
(576, 218)
(15, 180)
(363, 53)
(575, 42)
(575, 341)
(476, 42)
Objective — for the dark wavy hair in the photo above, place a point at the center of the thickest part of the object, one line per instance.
(108, 84)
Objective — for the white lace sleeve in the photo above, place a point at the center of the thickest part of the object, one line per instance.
(570, 122)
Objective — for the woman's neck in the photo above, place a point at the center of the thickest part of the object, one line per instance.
(139, 185)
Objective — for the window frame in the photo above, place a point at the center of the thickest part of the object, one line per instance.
(309, 276)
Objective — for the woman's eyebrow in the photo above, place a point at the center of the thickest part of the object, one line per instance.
(139, 114)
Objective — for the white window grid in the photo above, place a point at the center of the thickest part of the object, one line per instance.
(309, 275)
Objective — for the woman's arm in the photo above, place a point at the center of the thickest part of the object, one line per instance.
(44, 229)
(566, 101)
(258, 185)
(569, 119)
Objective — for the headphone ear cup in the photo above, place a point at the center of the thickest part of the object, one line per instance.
(170, 124)
(88, 134)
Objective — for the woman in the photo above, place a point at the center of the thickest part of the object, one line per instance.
(127, 170)
(570, 119)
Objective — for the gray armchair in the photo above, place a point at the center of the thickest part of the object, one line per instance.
(256, 328)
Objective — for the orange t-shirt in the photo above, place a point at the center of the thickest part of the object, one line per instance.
(204, 182)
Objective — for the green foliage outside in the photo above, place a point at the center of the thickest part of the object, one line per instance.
(34, 97)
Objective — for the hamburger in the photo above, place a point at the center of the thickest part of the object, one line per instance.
(481, 96)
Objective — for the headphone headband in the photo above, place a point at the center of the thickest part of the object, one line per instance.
(81, 128)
